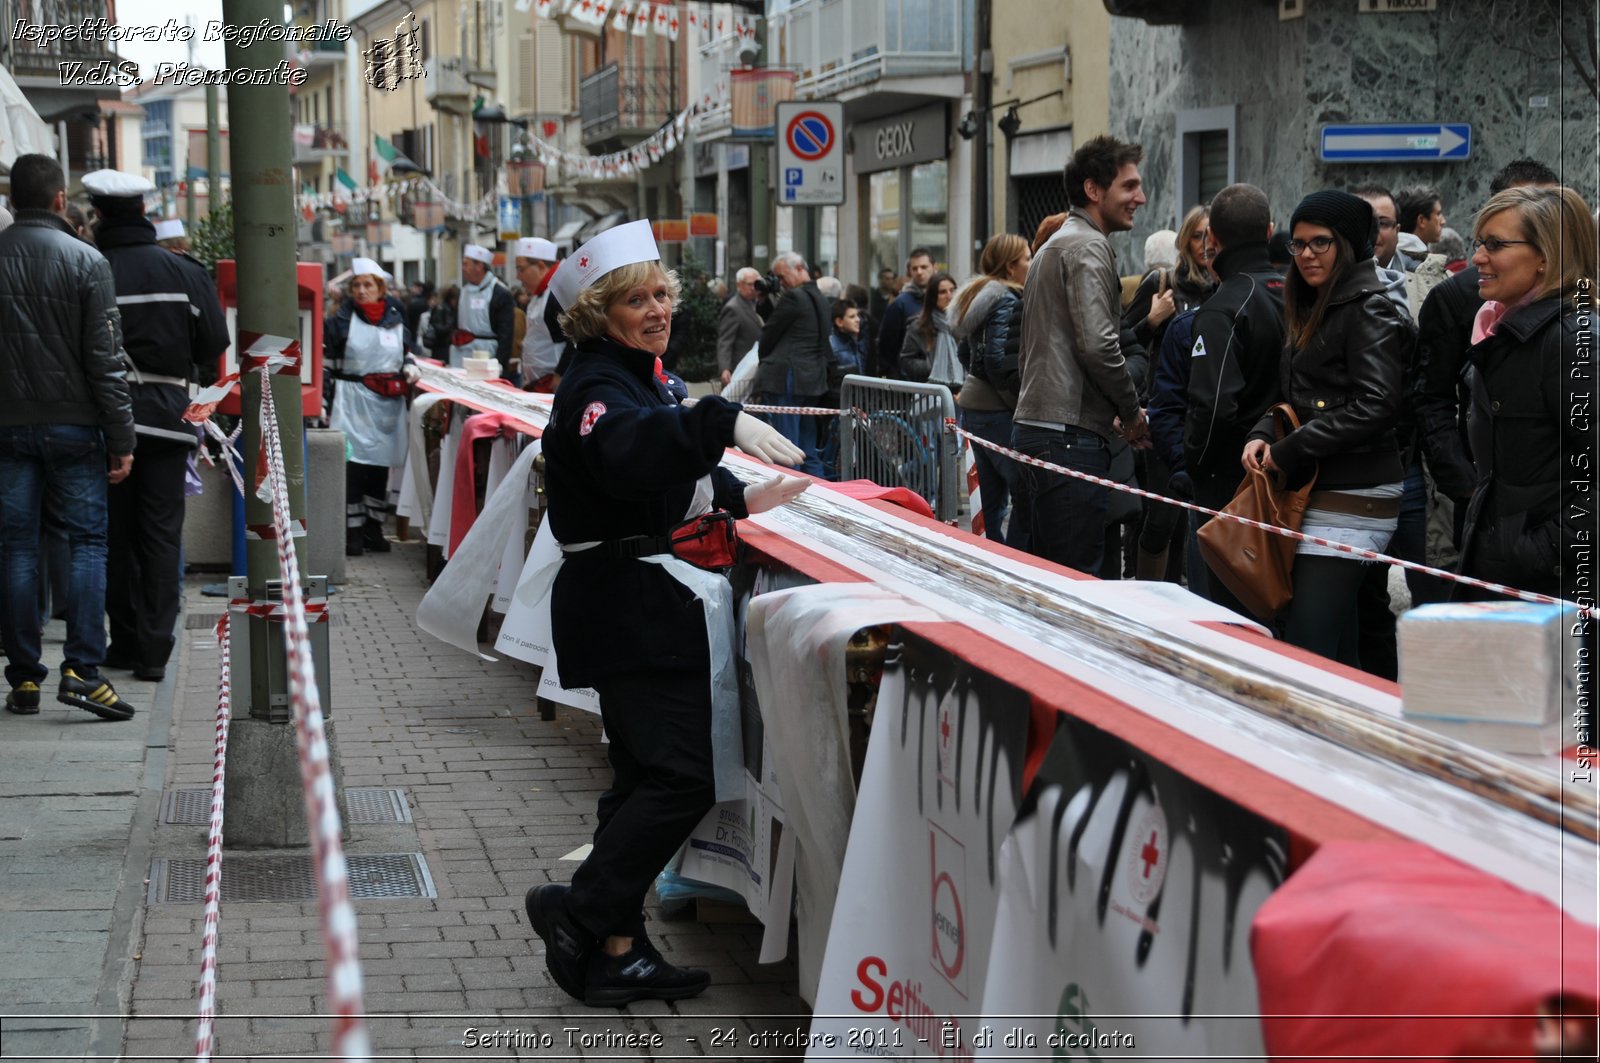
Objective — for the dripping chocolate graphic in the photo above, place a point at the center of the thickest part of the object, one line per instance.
(986, 710)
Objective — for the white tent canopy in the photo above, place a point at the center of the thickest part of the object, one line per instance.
(22, 131)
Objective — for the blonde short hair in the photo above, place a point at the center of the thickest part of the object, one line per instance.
(1556, 221)
(586, 318)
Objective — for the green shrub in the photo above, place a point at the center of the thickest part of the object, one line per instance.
(697, 319)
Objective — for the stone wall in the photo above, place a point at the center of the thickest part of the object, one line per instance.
(1476, 61)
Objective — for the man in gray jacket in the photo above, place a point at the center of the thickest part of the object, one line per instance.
(738, 324)
(66, 430)
(1076, 390)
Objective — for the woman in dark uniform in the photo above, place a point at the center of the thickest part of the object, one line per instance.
(624, 464)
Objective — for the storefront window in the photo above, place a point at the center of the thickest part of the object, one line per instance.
(883, 235)
(930, 209)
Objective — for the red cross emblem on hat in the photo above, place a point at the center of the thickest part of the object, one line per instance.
(591, 414)
(583, 263)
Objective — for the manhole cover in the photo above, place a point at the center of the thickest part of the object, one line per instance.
(365, 805)
(289, 877)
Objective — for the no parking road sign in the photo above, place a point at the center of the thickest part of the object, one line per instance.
(810, 153)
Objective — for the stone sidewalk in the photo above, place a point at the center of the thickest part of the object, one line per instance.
(497, 798)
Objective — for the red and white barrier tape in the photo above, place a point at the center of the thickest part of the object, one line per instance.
(226, 443)
(350, 1039)
(801, 411)
(1345, 548)
(204, 1040)
(316, 609)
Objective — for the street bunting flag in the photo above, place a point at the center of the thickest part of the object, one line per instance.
(624, 9)
(641, 20)
(756, 94)
(346, 180)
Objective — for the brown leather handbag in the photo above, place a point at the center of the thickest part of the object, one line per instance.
(1255, 564)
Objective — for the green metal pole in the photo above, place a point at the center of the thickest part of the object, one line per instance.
(264, 242)
(213, 150)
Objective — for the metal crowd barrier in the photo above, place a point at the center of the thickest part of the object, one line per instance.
(898, 438)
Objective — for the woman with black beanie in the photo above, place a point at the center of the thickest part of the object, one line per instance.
(1342, 371)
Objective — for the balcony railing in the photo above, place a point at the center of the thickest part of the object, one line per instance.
(314, 142)
(25, 58)
(838, 44)
(624, 100)
(322, 52)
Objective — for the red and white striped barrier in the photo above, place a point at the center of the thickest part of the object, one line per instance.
(350, 1040)
(205, 1040)
(1345, 548)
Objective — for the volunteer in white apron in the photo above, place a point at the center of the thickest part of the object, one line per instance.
(625, 465)
(486, 315)
(541, 352)
(370, 353)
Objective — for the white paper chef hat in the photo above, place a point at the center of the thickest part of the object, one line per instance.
(536, 247)
(360, 267)
(169, 229)
(481, 254)
(620, 245)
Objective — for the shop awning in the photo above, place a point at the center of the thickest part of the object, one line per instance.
(22, 131)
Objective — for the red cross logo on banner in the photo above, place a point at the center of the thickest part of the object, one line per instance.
(1148, 855)
(591, 414)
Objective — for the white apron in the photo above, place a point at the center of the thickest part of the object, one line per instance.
(540, 355)
(472, 315)
(716, 594)
(374, 427)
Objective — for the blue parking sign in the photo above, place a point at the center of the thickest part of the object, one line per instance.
(794, 176)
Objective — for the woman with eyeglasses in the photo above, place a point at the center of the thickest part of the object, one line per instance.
(1342, 369)
(1531, 418)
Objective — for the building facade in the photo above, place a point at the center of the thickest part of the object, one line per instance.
(1240, 93)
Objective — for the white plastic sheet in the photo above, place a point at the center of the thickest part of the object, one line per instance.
(796, 641)
(451, 609)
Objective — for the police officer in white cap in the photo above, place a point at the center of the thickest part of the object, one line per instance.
(174, 331)
(625, 464)
(536, 260)
(486, 317)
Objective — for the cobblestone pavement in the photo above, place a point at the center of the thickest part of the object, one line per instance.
(497, 797)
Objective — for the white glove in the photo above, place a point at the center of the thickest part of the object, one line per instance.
(770, 494)
(764, 442)
(411, 374)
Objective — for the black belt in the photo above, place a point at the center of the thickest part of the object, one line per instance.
(634, 546)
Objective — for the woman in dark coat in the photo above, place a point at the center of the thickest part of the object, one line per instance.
(1347, 350)
(624, 464)
(1531, 418)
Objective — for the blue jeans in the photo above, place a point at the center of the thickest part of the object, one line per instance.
(999, 478)
(804, 432)
(57, 470)
(1069, 515)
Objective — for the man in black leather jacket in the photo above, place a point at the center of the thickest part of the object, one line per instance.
(65, 420)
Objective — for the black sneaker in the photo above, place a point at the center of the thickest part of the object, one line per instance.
(92, 695)
(638, 974)
(23, 699)
(566, 946)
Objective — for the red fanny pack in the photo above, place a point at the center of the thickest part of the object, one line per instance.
(389, 385)
(709, 541)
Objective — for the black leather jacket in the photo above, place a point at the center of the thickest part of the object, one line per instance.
(1346, 386)
(1532, 422)
(1444, 332)
(61, 354)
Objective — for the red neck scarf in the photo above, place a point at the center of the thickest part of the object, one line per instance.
(373, 312)
(542, 285)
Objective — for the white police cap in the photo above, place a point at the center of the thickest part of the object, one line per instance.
(115, 183)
